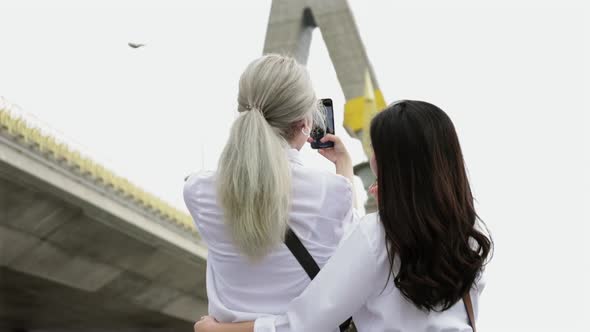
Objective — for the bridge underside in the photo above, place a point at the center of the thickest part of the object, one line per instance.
(33, 303)
(69, 261)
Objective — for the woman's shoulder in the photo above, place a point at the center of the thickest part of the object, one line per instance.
(373, 230)
(370, 223)
(195, 182)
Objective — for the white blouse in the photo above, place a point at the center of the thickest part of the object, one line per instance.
(353, 282)
(238, 289)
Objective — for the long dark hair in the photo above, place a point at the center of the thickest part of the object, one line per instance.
(426, 205)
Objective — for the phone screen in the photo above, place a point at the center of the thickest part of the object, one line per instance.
(317, 133)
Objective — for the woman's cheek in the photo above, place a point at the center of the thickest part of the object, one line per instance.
(373, 164)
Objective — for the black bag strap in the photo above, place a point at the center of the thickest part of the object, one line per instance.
(307, 262)
(301, 254)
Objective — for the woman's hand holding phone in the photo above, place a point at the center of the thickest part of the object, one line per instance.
(338, 154)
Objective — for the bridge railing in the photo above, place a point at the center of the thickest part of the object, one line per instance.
(26, 131)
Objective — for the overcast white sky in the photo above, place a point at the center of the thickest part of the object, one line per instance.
(513, 75)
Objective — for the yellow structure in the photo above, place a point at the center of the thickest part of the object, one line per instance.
(19, 130)
(354, 110)
(369, 112)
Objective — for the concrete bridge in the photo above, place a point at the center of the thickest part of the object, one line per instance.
(83, 249)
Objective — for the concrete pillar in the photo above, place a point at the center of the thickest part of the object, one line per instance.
(289, 32)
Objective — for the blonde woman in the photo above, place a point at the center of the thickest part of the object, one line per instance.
(261, 186)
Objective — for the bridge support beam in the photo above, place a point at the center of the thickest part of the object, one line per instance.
(289, 32)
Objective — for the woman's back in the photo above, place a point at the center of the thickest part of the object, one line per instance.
(387, 309)
(241, 289)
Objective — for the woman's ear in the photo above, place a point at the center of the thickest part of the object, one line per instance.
(373, 163)
(301, 123)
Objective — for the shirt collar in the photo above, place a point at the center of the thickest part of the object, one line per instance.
(294, 156)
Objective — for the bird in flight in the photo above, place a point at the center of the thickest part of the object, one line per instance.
(135, 45)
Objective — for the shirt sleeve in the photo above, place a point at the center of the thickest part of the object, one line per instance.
(339, 290)
(355, 219)
(352, 215)
(192, 185)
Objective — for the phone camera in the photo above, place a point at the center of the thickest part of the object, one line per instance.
(317, 133)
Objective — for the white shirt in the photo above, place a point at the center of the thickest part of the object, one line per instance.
(353, 282)
(237, 288)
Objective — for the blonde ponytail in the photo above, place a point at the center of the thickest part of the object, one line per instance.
(254, 177)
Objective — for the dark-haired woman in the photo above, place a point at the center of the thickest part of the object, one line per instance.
(411, 266)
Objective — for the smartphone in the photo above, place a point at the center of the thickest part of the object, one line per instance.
(317, 133)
